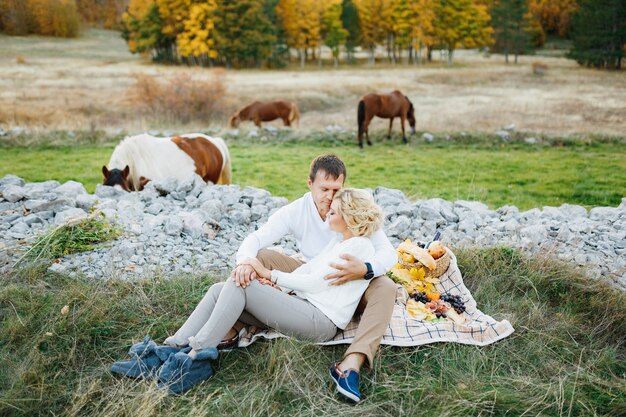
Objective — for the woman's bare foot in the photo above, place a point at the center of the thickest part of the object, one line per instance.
(192, 354)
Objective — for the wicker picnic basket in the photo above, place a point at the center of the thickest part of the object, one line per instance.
(441, 266)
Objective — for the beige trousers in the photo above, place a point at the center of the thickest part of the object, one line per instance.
(376, 306)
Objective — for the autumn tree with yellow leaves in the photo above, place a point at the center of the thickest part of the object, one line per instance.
(44, 17)
(373, 29)
(300, 19)
(196, 42)
(461, 23)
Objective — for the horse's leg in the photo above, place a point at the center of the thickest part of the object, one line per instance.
(390, 124)
(403, 134)
(286, 121)
(368, 120)
(257, 122)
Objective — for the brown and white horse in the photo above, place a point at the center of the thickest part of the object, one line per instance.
(139, 159)
(267, 111)
(387, 106)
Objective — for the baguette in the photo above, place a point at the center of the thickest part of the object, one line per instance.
(418, 253)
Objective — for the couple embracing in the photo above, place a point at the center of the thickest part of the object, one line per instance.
(346, 255)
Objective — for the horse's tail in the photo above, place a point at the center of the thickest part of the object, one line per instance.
(361, 120)
(294, 114)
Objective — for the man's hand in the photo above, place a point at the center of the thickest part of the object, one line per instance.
(243, 274)
(261, 271)
(351, 270)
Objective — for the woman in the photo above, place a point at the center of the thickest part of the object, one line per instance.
(314, 312)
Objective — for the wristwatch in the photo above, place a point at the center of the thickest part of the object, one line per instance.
(370, 272)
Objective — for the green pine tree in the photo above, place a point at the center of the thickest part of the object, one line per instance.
(244, 34)
(333, 31)
(512, 30)
(350, 20)
(599, 33)
(144, 35)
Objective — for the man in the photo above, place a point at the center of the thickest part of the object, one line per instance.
(305, 220)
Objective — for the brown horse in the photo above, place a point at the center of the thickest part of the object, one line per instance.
(387, 106)
(267, 111)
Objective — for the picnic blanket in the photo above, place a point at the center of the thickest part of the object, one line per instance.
(403, 330)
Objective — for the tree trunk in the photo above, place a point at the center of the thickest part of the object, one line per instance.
(450, 52)
(302, 59)
(320, 55)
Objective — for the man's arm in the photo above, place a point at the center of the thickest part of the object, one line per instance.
(384, 258)
(275, 228)
(313, 281)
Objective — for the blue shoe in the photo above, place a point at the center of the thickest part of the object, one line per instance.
(181, 373)
(347, 382)
(146, 360)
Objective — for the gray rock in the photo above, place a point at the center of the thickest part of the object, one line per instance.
(58, 205)
(400, 227)
(12, 193)
(155, 208)
(173, 226)
(428, 137)
(572, 211)
(72, 189)
(604, 213)
(104, 191)
(20, 227)
(213, 209)
(503, 134)
(428, 213)
(86, 201)
(11, 180)
(193, 223)
(32, 219)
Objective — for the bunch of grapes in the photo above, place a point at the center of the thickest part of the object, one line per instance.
(456, 302)
(420, 296)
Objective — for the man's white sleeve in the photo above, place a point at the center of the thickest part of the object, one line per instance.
(276, 227)
(385, 256)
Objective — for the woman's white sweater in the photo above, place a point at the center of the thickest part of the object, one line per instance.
(337, 302)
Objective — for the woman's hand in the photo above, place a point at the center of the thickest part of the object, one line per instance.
(261, 271)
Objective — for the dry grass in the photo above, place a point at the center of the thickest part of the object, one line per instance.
(82, 83)
(179, 98)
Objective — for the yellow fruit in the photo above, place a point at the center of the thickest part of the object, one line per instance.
(417, 273)
(408, 258)
(432, 295)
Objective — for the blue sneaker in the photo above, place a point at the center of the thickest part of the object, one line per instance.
(181, 373)
(146, 361)
(347, 382)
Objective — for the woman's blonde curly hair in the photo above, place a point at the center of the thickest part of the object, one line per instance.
(358, 209)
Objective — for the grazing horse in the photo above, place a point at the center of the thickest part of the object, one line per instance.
(387, 106)
(139, 159)
(266, 111)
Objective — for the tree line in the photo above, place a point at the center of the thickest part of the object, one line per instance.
(244, 33)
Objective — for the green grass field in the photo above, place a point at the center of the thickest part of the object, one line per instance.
(588, 173)
(566, 357)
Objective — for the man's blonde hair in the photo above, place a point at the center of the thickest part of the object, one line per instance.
(359, 210)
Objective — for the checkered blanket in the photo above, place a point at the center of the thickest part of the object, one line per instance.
(479, 329)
